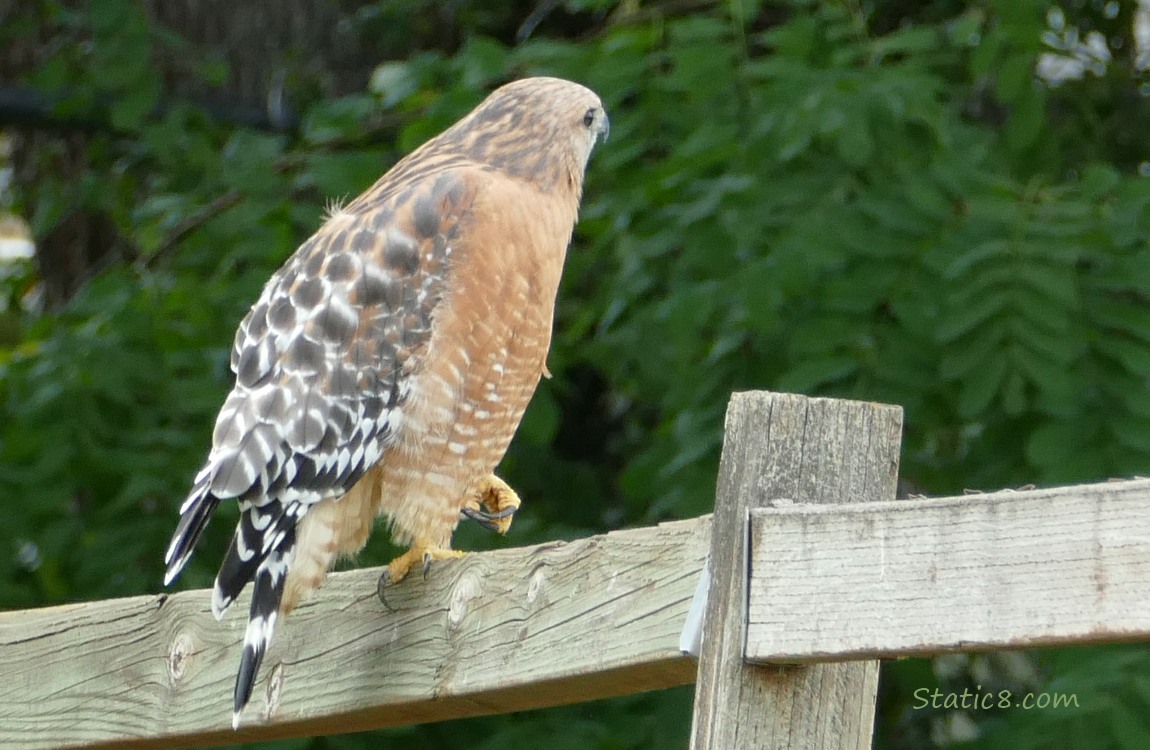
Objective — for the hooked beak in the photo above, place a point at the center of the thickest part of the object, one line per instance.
(605, 128)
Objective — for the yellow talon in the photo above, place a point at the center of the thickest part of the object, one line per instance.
(399, 568)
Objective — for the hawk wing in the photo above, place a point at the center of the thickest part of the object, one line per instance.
(322, 364)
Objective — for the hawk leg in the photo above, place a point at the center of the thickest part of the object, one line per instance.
(492, 504)
(398, 568)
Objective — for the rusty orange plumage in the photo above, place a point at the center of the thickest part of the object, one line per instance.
(387, 364)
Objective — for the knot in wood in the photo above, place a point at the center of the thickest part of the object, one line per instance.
(179, 655)
(535, 585)
(468, 587)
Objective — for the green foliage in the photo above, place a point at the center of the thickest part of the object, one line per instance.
(799, 196)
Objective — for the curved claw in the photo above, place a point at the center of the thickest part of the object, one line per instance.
(384, 582)
(488, 520)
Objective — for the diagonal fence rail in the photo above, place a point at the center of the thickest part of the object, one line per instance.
(493, 632)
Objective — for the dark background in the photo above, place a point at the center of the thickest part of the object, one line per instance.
(876, 200)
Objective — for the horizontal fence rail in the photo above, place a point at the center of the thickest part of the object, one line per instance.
(983, 571)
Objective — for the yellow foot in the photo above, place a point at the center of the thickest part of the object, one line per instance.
(492, 504)
(398, 568)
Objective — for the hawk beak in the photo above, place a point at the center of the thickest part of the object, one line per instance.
(605, 128)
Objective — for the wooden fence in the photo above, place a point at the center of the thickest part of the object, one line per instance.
(808, 562)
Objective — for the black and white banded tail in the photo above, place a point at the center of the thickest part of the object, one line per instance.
(261, 552)
(267, 593)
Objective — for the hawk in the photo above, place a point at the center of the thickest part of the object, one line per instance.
(386, 366)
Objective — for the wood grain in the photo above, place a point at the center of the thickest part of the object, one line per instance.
(810, 450)
(1002, 570)
(493, 632)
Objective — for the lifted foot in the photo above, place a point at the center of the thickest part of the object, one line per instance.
(492, 504)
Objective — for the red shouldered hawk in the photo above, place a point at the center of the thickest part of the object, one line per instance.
(387, 364)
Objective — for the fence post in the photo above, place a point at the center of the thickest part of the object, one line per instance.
(780, 447)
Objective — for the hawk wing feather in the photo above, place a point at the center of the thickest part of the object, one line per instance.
(318, 394)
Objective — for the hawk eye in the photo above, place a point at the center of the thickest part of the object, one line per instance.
(589, 118)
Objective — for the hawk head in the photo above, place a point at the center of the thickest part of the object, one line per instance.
(533, 128)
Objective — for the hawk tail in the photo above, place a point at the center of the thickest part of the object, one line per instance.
(261, 530)
(267, 593)
(194, 516)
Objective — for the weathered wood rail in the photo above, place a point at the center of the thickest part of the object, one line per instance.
(812, 565)
(494, 632)
(978, 572)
